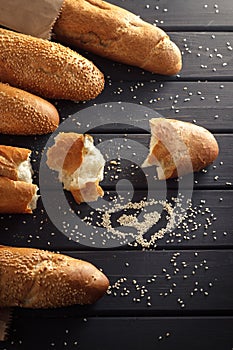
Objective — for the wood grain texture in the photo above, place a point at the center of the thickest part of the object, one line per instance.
(121, 332)
(157, 283)
(219, 174)
(133, 150)
(208, 103)
(213, 208)
(193, 15)
(206, 55)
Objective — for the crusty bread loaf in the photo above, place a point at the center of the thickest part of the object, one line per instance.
(46, 68)
(17, 197)
(178, 148)
(15, 163)
(115, 33)
(80, 165)
(34, 278)
(22, 113)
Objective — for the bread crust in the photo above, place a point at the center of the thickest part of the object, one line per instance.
(22, 113)
(117, 34)
(34, 278)
(10, 159)
(178, 148)
(16, 196)
(67, 153)
(47, 68)
(90, 193)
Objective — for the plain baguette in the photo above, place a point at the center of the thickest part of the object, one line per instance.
(46, 68)
(178, 148)
(34, 278)
(22, 113)
(112, 32)
(17, 197)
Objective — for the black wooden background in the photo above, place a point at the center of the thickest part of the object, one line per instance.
(179, 294)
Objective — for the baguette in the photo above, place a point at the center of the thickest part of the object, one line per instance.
(117, 34)
(33, 278)
(22, 113)
(15, 163)
(46, 68)
(80, 165)
(17, 197)
(178, 148)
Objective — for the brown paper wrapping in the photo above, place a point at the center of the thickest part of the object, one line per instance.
(5, 318)
(34, 17)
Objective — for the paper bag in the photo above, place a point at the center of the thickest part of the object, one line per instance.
(34, 17)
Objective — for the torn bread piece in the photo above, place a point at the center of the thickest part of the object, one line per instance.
(15, 163)
(17, 192)
(80, 165)
(17, 197)
(178, 148)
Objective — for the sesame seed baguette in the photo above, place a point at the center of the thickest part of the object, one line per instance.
(22, 113)
(34, 278)
(15, 163)
(117, 34)
(178, 148)
(46, 68)
(17, 197)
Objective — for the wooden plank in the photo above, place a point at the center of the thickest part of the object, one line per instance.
(208, 103)
(158, 283)
(206, 55)
(133, 149)
(186, 280)
(208, 225)
(121, 333)
(181, 15)
(220, 174)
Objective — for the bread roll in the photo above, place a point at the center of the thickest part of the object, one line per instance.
(46, 68)
(178, 148)
(34, 278)
(15, 163)
(80, 165)
(17, 197)
(112, 32)
(22, 113)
